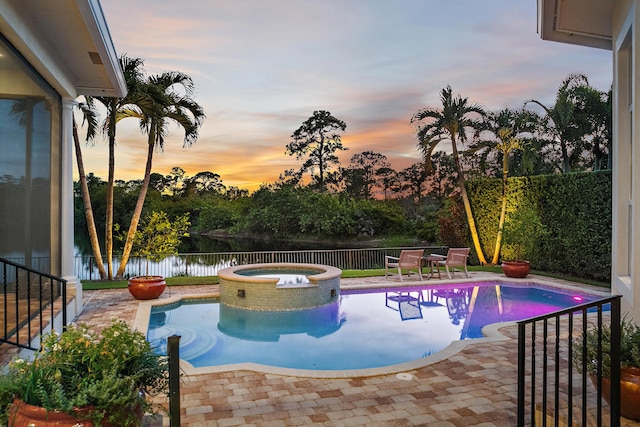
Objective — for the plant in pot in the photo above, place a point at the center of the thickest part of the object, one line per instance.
(629, 364)
(81, 377)
(157, 238)
(521, 233)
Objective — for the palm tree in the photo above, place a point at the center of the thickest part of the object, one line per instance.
(116, 111)
(90, 118)
(561, 120)
(160, 105)
(594, 108)
(506, 126)
(451, 123)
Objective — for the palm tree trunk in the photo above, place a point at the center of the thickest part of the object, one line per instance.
(137, 212)
(88, 211)
(503, 211)
(108, 232)
(566, 161)
(467, 205)
(472, 223)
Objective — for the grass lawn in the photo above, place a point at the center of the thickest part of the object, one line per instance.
(212, 280)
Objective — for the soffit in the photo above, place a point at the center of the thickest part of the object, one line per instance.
(68, 42)
(581, 22)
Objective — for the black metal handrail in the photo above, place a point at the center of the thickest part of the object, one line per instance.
(29, 300)
(208, 264)
(553, 400)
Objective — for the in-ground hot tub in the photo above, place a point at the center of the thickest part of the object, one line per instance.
(279, 286)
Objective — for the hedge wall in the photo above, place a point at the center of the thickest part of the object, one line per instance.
(575, 209)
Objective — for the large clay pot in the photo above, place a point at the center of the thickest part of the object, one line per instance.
(516, 269)
(629, 392)
(24, 415)
(147, 287)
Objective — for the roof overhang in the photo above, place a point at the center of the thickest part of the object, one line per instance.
(67, 42)
(581, 22)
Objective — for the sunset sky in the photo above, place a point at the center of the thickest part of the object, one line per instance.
(262, 67)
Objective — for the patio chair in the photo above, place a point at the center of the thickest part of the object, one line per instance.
(456, 257)
(408, 260)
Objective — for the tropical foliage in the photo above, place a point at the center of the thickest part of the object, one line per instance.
(90, 119)
(574, 209)
(165, 98)
(461, 148)
(594, 346)
(110, 371)
(159, 237)
(576, 129)
(155, 101)
(509, 130)
(115, 108)
(453, 122)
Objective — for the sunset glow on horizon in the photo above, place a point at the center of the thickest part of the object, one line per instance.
(262, 68)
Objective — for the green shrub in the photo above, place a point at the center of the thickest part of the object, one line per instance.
(575, 210)
(629, 348)
(109, 371)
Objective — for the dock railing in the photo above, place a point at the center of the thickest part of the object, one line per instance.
(552, 391)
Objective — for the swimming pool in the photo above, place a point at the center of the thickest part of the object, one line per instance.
(367, 328)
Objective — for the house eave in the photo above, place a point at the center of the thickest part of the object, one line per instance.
(67, 42)
(579, 22)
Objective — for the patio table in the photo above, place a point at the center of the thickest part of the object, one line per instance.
(431, 261)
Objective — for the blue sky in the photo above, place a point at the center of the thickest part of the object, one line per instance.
(262, 67)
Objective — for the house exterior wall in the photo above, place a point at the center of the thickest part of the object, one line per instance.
(51, 43)
(30, 140)
(625, 273)
(625, 46)
(36, 185)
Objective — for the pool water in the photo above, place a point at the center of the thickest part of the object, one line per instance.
(365, 329)
(285, 276)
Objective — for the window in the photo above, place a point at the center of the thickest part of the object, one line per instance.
(29, 159)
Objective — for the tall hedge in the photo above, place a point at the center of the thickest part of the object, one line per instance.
(575, 209)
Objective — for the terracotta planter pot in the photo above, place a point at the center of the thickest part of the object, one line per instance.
(516, 269)
(146, 287)
(629, 392)
(24, 415)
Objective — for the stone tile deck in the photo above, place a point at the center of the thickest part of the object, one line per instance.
(473, 387)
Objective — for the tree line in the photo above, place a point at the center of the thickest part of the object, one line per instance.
(367, 198)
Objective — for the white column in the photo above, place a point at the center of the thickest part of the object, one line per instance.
(66, 207)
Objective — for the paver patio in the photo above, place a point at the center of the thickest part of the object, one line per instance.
(473, 387)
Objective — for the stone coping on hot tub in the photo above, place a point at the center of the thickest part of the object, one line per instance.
(324, 271)
(264, 293)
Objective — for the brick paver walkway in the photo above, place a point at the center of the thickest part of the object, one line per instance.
(474, 387)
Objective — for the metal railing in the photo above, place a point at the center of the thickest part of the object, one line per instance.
(208, 264)
(551, 390)
(173, 353)
(31, 301)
